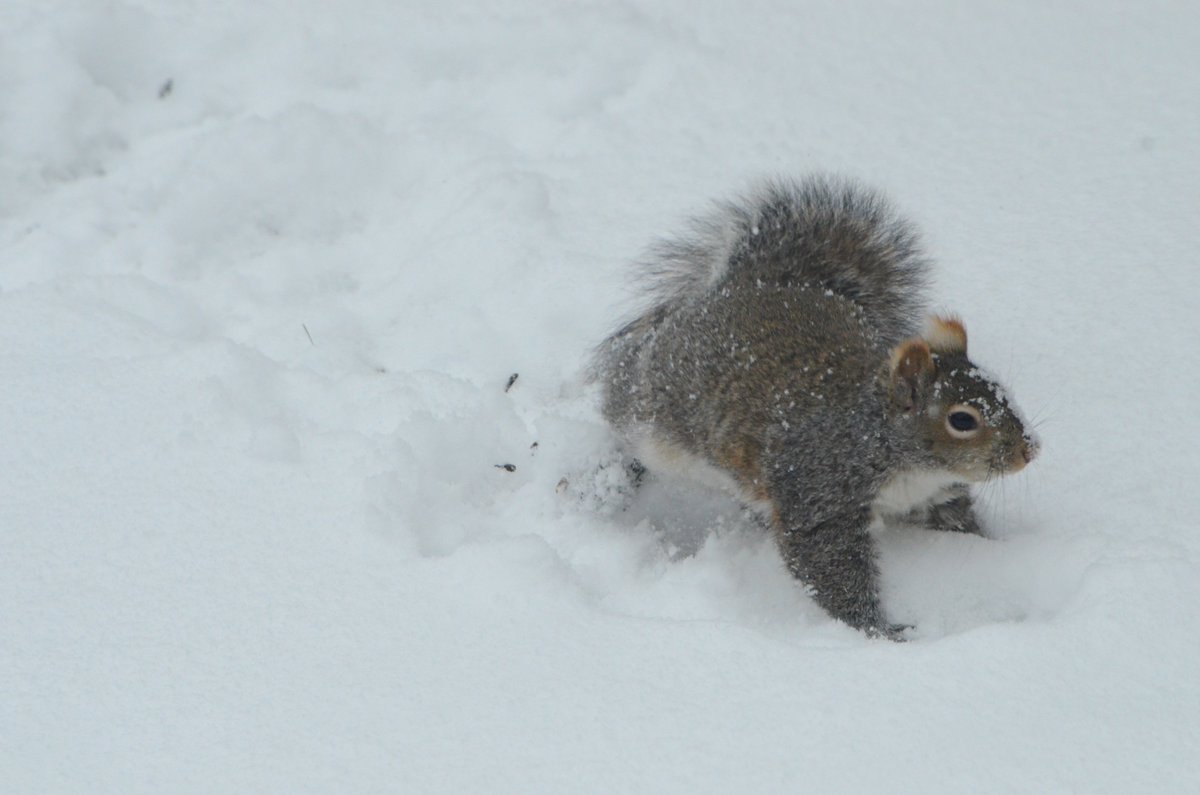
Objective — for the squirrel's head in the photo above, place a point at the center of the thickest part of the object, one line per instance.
(963, 417)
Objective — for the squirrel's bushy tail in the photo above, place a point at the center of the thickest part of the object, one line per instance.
(821, 232)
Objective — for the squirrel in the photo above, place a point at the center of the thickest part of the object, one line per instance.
(781, 355)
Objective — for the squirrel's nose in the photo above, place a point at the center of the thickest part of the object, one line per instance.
(1029, 448)
(1025, 451)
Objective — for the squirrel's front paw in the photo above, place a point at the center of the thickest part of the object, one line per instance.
(955, 516)
(893, 632)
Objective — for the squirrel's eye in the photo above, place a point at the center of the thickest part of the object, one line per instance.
(963, 422)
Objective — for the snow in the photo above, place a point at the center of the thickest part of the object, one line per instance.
(265, 271)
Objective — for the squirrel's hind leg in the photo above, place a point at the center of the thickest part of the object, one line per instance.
(636, 472)
(609, 487)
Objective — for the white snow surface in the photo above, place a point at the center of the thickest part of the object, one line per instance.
(266, 268)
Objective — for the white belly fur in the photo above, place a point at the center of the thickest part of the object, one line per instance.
(911, 489)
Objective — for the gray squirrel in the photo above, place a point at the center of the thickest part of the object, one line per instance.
(781, 356)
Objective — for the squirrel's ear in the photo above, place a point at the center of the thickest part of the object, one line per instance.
(946, 334)
(912, 374)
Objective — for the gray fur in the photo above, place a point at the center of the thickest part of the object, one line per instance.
(766, 352)
(956, 514)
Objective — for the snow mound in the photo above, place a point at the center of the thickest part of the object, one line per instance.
(274, 518)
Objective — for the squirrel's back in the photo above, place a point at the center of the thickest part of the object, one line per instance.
(819, 233)
(824, 232)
